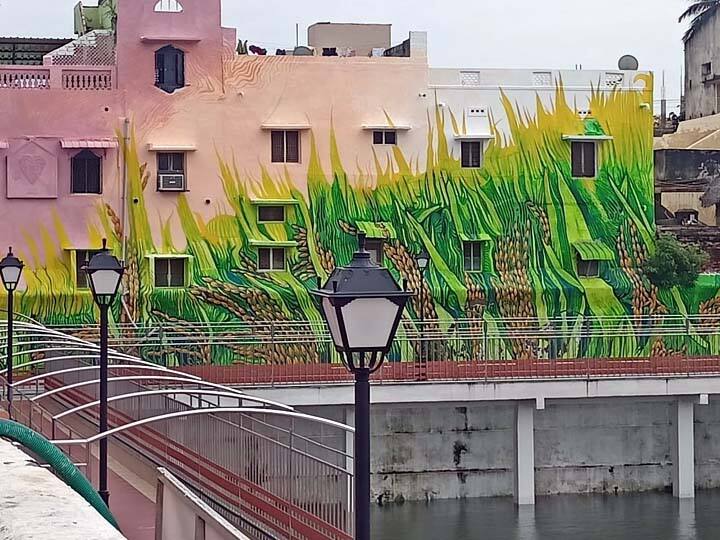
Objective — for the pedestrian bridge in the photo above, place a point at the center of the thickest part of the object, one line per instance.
(270, 470)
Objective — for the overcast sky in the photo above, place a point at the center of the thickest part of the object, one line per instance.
(462, 33)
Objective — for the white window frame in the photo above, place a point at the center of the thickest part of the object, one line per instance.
(272, 250)
(285, 146)
(186, 269)
(384, 137)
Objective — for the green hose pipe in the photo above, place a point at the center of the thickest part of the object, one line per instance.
(59, 462)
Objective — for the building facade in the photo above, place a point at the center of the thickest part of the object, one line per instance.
(702, 69)
(230, 183)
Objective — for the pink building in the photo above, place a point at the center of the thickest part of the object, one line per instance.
(230, 182)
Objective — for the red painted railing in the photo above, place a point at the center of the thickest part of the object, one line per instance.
(530, 369)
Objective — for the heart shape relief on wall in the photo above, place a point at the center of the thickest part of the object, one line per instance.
(32, 167)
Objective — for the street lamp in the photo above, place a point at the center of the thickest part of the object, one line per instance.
(362, 305)
(422, 261)
(104, 274)
(10, 268)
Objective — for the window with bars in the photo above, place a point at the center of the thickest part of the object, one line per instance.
(584, 164)
(472, 255)
(472, 154)
(385, 137)
(271, 214)
(82, 258)
(169, 69)
(285, 146)
(170, 273)
(271, 259)
(86, 173)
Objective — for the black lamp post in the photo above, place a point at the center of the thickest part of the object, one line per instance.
(422, 261)
(104, 274)
(362, 305)
(10, 268)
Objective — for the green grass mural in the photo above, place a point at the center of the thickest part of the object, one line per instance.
(523, 204)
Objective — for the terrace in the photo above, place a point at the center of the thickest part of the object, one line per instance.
(87, 63)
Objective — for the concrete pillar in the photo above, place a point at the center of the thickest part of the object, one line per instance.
(524, 470)
(683, 449)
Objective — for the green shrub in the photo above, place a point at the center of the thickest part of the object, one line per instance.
(674, 264)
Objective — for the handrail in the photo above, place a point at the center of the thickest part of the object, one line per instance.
(195, 412)
(167, 392)
(82, 384)
(43, 376)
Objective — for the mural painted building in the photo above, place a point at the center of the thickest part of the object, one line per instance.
(230, 182)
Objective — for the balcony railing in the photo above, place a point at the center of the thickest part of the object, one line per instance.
(87, 79)
(21, 78)
(453, 349)
(57, 77)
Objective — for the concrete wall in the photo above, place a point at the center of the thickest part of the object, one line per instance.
(37, 504)
(183, 516)
(363, 38)
(454, 450)
(701, 98)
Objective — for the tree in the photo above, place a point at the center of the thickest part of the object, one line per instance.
(674, 264)
(698, 12)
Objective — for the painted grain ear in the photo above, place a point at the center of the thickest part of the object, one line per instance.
(168, 6)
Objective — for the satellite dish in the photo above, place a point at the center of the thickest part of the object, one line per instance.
(628, 63)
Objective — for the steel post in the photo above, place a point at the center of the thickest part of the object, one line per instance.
(9, 360)
(103, 464)
(362, 454)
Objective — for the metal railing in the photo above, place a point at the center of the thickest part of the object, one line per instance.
(456, 349)
(273, 472)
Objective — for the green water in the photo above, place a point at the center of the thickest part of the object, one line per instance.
(653, 516)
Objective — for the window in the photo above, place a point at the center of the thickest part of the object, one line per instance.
(82, 258)
(707, 71)
(385, 137)
(472, 253)
(271, 259)
(170, 273)
(169, 69)
(286, 147)
(471, 154)
(583, 159)
(271, 214)
(588, 268)
(376, 248)
(171, 171)
(168, 6)
(86, 173)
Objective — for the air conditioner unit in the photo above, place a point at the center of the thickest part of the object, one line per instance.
(171, 182)
(708, 77)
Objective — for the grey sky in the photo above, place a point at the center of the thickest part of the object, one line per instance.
(462, 33)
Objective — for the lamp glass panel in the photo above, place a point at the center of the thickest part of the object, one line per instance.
(105, 282)
(369, 322)
(333, 323)
(10, 276)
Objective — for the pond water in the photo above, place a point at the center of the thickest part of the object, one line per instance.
(651, 516)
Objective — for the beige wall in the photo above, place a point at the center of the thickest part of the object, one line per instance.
(678, 201)
(361, 37)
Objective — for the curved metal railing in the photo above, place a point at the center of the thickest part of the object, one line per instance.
(260, 463)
